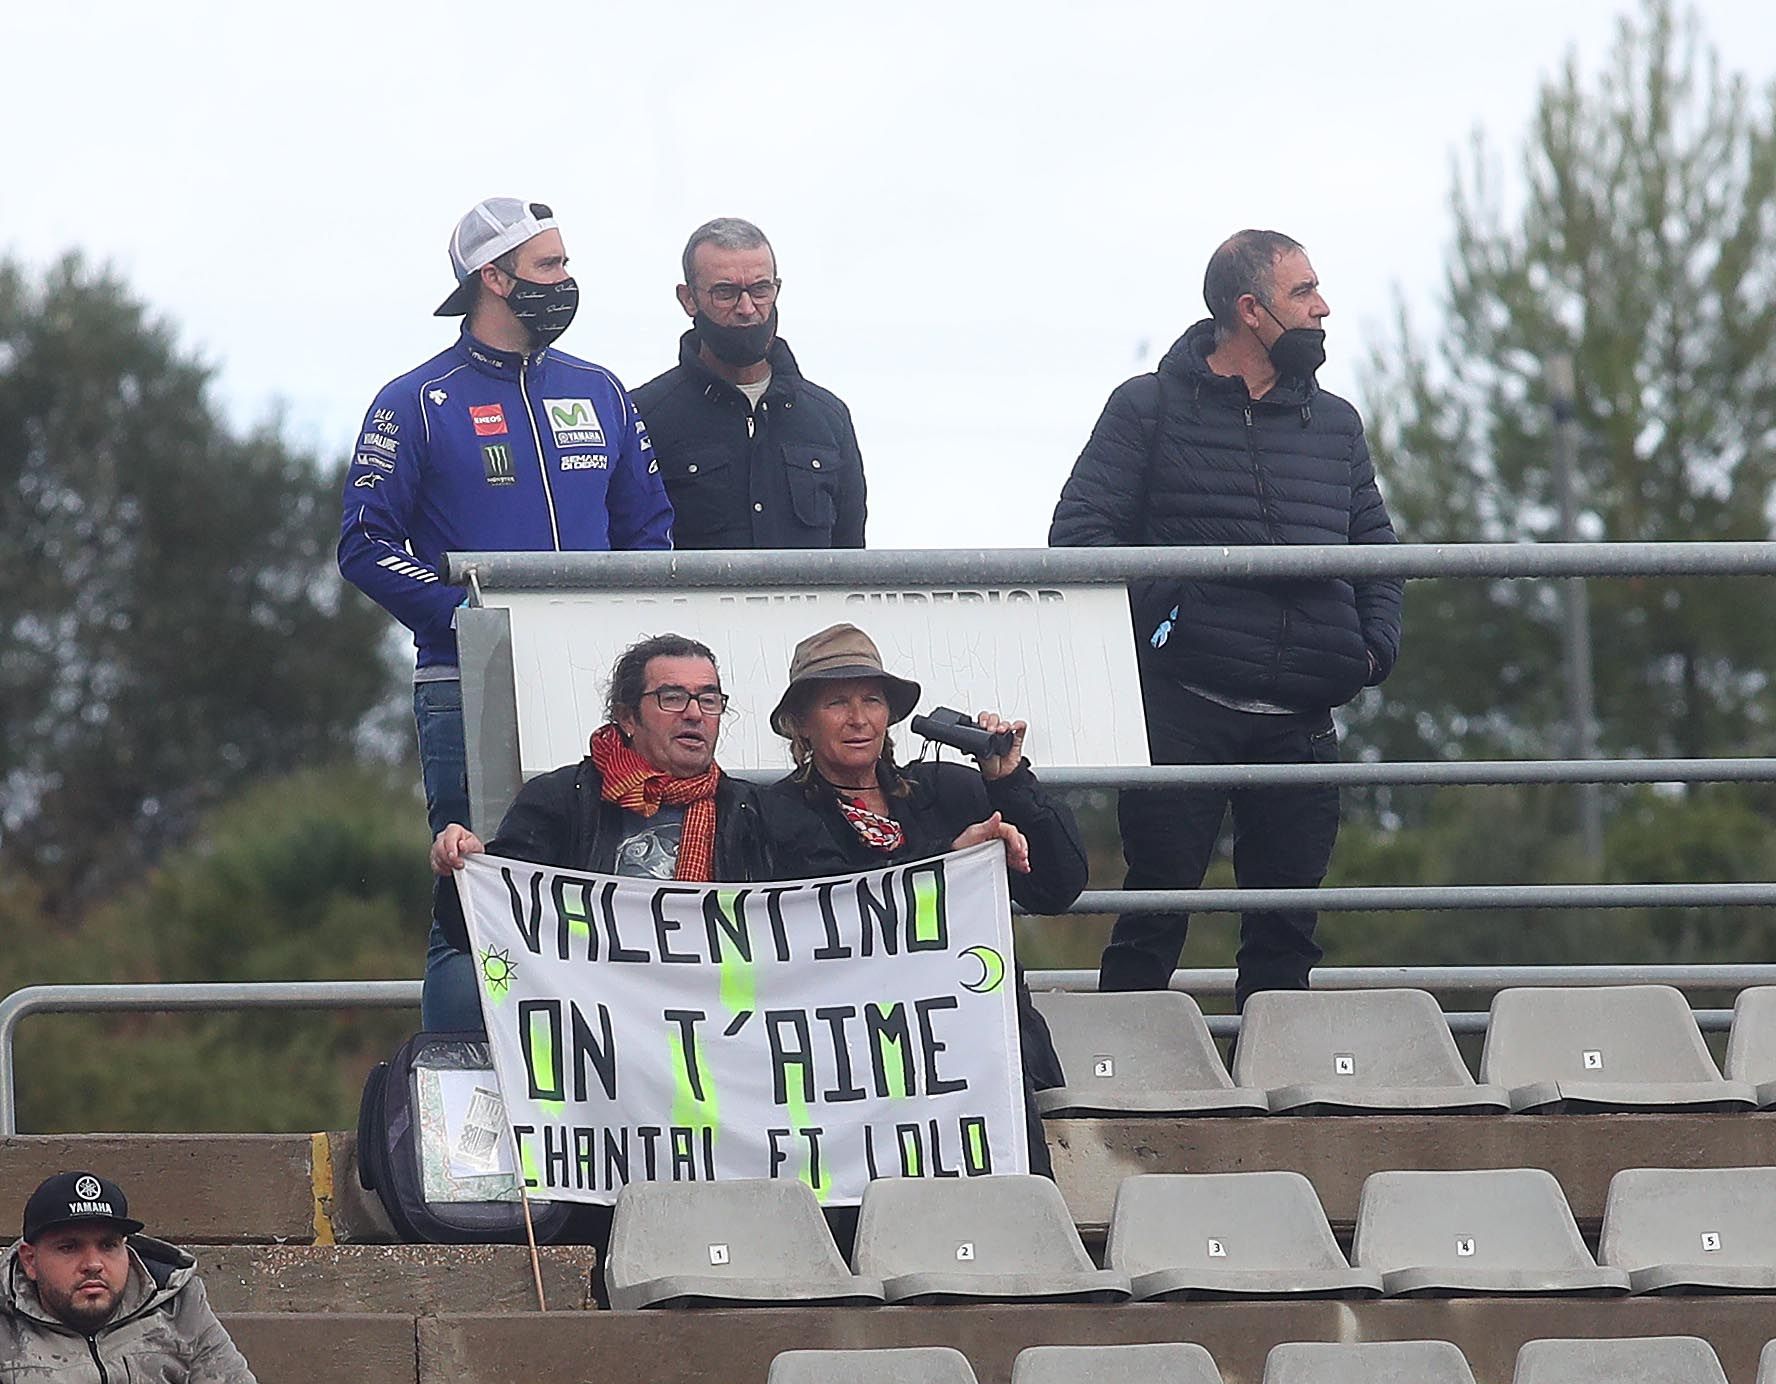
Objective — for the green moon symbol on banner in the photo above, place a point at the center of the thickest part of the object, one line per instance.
(992, 970)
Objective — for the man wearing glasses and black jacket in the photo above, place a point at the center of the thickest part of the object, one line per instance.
(753, 454)
(648, 800)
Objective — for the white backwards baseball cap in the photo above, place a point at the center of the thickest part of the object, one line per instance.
(491, 228)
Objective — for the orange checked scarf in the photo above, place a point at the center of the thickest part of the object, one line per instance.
(631, 782)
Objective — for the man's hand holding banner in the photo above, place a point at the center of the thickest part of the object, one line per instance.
(831, 1030)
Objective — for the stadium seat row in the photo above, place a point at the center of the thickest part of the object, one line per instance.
(1636, 1360)
(1301, 1052)
(1179, 1236)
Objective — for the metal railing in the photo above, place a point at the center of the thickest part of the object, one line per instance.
(1219, 982)
(875, 567)
(404, 994)
(1210, 982)
(80, 999)
(761, 570)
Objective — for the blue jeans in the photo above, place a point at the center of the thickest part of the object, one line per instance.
(450, 1002)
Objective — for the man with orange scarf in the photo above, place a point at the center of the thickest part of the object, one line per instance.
(648, 800)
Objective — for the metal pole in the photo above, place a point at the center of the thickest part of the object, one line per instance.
(1581, 712)
(1463, 1022)
(1434, 897)
(1444, 979)
(758, 571)
(1354, 772)
(295, 994)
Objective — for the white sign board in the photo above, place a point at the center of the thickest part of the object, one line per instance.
(832, 1030)
(1061, 658)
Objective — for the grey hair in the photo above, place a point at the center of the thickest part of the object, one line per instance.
(725, 233)
(1241, 265)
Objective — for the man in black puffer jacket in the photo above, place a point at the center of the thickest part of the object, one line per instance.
(1232, 443)
(753, 454)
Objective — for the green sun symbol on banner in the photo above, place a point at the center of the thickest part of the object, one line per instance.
(497, 970)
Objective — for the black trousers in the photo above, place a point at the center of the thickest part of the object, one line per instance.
(1282, 838)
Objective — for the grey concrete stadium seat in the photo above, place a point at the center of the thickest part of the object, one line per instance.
(1171, 1362)
(1372, 1362)
(1629, 1360)
(1356, 1052)
(1207, 1235)
(1767, 1365)
(1751, 1050)
(1003, 1238)
(1137, 1053)
(1498, 1231)
(1614, 1047)
(749, 1241)
(1692, 1229)
(909, 1365)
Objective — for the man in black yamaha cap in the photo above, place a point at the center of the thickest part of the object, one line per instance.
(85, 1297)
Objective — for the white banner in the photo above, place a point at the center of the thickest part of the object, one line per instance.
(1060, 657)
(831, 1030)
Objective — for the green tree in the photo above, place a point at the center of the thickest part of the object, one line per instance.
(316, 875)
(170, 617)
(1642, 242)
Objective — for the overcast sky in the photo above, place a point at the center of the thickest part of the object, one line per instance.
(986, 215)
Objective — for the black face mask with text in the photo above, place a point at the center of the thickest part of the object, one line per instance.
(546, 309)
(1299, 351)
(736, 346)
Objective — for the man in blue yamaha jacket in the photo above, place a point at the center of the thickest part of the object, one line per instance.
(499, 443)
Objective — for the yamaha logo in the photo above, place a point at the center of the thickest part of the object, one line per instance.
(88, 1189)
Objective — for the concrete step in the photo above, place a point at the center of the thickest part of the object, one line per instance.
(736, 1346)
(1336, 1152)
(327, 1348)
(302, 1189)
(409, 1279)
(189, 1188)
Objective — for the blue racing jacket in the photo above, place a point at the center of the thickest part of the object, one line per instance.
(481, 450)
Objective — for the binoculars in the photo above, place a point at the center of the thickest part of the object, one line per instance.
(959, 732)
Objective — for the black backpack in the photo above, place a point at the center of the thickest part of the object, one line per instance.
(403, 1146)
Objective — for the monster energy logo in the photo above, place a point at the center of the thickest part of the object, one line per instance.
(497, 458)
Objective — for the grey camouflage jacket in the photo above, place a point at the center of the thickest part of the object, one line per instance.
(163, 1331)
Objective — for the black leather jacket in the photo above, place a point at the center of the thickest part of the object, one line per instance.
(562, 819)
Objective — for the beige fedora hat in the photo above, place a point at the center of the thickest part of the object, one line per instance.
(842, 651)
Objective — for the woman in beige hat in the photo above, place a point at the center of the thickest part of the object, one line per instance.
(848, 806)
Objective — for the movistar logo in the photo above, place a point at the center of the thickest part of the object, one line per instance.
(574, 423)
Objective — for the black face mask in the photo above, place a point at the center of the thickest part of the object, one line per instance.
(736, 346)
(544, 308)
(1299, 351)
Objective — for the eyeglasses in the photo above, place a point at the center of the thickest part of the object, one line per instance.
(763, 293)
(676, 699)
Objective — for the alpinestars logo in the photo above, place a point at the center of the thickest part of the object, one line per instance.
(574, 422)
